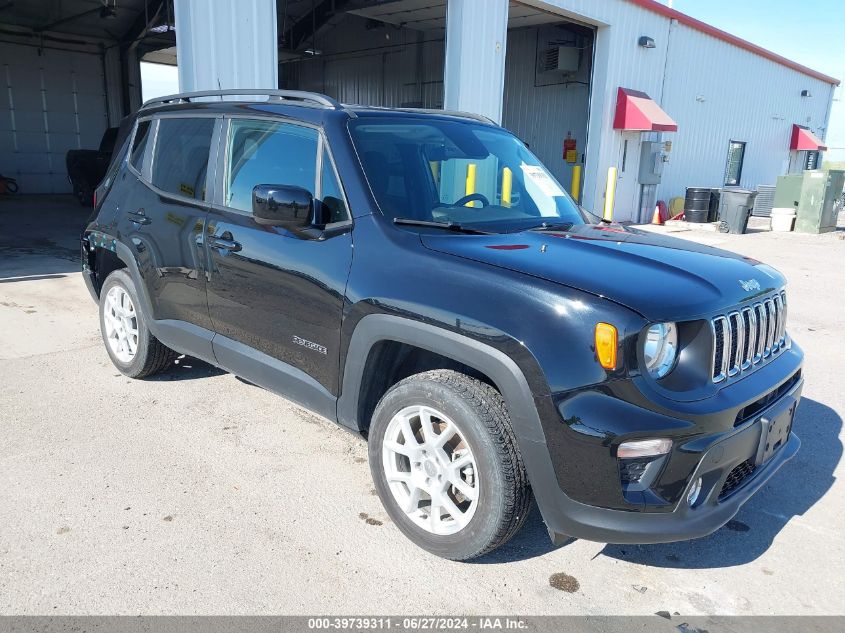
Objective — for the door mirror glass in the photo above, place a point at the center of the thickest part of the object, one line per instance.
(282, 205)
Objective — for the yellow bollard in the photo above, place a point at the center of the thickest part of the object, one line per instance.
(470, 186)
(575, 188)
(507, 186)
(610, 193)
(435, 171)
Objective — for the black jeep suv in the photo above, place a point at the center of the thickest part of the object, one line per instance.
(420, 278)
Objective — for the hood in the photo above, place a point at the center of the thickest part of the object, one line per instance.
(662, 278)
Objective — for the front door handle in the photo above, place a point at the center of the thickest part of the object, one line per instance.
(223, 243)
(138, 217)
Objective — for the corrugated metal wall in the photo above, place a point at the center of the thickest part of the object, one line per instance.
(224, 44)
(381, 66)
(561, 107)
(476, 45)
(734, 96)
(618, 62)
(746, 96)
(378, 66)
(52, 101)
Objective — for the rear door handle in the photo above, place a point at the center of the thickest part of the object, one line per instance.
(224, 244)
(138, 217)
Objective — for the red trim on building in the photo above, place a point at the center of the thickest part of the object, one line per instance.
(636, 111)
(698, 25)
(804, 140)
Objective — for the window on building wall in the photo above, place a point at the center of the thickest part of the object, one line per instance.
(811, 161)
(733, 169)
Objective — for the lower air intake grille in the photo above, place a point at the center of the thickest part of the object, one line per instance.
(735, 478)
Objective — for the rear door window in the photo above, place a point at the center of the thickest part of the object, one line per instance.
(180, 162)
(268, 153)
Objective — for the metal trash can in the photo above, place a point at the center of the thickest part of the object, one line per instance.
(713, 210)
(735, 209)
(697, 204)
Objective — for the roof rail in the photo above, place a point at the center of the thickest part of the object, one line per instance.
(272, 95)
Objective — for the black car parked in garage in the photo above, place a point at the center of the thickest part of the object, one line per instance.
(86, 167)
(420, 278)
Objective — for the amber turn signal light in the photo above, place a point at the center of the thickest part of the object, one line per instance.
(606, 345)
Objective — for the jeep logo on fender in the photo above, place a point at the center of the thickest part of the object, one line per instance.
(314, 347)
(749, 284)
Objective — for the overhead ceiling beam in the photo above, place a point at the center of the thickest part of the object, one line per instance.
(143, 22)
(70, 18)
(307, 25)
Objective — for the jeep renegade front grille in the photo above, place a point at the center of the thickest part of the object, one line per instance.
(744, 338)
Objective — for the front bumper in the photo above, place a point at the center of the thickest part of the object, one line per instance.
(716, 458)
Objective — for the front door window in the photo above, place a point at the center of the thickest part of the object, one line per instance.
(268, 153)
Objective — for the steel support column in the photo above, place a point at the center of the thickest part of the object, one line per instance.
(474, 73)
(223, 44)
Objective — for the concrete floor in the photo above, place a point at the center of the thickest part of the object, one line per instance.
(196, 493)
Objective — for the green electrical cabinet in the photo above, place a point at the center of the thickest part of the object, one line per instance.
(788, 192)
(812, 194)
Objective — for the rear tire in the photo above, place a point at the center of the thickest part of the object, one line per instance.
(130, 344)
(458, 490)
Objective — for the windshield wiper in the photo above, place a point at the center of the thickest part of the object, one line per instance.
(448, 226)
(551, 226)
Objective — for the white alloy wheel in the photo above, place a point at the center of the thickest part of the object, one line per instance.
(121, 324)
(430, 470)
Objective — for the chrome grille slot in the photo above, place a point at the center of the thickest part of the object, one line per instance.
(736, 341)
(760, 311)
(771, 323)
(749, 323)
(779, 329)
(744, 338)
(783, 320)
(720, 355)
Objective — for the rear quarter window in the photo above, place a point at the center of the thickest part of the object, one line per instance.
(139, 145)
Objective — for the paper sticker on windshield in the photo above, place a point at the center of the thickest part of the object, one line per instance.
(544, 182)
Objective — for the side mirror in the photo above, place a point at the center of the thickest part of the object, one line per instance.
(282, 205)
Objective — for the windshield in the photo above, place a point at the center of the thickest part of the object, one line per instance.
(457, 172)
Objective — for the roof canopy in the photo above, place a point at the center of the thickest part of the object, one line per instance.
(804, 139)
(636, 111)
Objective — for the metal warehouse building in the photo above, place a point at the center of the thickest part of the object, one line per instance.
(666, 100)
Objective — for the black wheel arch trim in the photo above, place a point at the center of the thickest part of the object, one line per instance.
(179, 336)
(499, 367)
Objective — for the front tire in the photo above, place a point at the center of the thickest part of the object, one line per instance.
(130, 344)
(446, 465)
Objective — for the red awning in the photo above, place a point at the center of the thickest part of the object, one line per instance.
(636, 111)
(804, 139)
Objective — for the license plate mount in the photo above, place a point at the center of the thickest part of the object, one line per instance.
(775, 425)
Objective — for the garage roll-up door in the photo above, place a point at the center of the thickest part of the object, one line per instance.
(50, 103)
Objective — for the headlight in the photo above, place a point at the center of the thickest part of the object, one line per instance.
(661, 349)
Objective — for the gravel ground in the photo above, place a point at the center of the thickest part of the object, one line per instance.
(197, 493)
